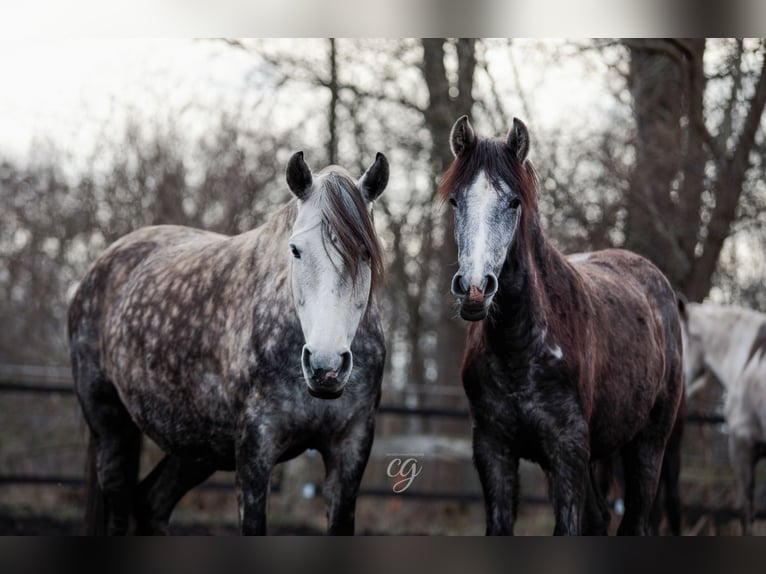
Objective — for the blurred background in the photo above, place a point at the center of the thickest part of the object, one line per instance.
(647, 144)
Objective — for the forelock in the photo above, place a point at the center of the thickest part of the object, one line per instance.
(345, 217)
(501, 167)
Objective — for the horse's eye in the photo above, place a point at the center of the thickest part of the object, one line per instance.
(453, 201)
(295, 251)
(515, 203)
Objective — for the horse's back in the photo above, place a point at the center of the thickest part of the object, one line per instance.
(624, 282)
(618, 266)
(115, 267)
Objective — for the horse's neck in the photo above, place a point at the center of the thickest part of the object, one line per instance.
(271, 237)
(266, 247)
(527, 284)
(728, 335)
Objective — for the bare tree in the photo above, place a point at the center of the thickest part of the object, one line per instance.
(680, 159)
(446, 103)
(55, 225)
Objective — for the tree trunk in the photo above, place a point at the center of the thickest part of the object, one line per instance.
(673, 148)
(332, 143)
(656, 84)
(442, 111)
(728, 189)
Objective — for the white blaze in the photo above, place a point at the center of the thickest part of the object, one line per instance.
(479, 198)
(329, 307)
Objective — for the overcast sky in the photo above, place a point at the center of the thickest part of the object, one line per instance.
(68, 90)
(71, 90)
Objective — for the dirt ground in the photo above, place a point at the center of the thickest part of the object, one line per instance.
(47, 526)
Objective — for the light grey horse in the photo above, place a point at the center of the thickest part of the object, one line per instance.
(234, 353)
(730, 343)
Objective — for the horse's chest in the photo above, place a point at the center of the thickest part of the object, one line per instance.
(531, 414)
(534, 424)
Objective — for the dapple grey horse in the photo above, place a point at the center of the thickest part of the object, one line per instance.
(234, 353)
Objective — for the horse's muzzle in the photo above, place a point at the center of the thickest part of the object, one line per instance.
(326, 373)
(474, 300)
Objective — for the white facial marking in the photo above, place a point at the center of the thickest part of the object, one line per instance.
(556, 352)
(479, 199)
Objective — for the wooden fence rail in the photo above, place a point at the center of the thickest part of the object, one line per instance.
(37, 387)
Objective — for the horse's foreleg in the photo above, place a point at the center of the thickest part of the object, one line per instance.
(596, 515)
(570, 482)
(742, 455)
(255, 460)
(499, 476)
(344, 463)
(160, 491)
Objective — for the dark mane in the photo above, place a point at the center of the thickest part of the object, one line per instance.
(346, 218)
(496, 160)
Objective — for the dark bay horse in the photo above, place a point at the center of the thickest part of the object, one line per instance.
(569, 360)
(234, 353)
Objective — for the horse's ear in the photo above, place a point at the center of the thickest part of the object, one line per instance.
(298, 175)
(462, 136)
(683, 302)
(518, 140)
(374, 180)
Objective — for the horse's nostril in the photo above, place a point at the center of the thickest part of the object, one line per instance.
(459, 288)
(345, 361)
(490, 285)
